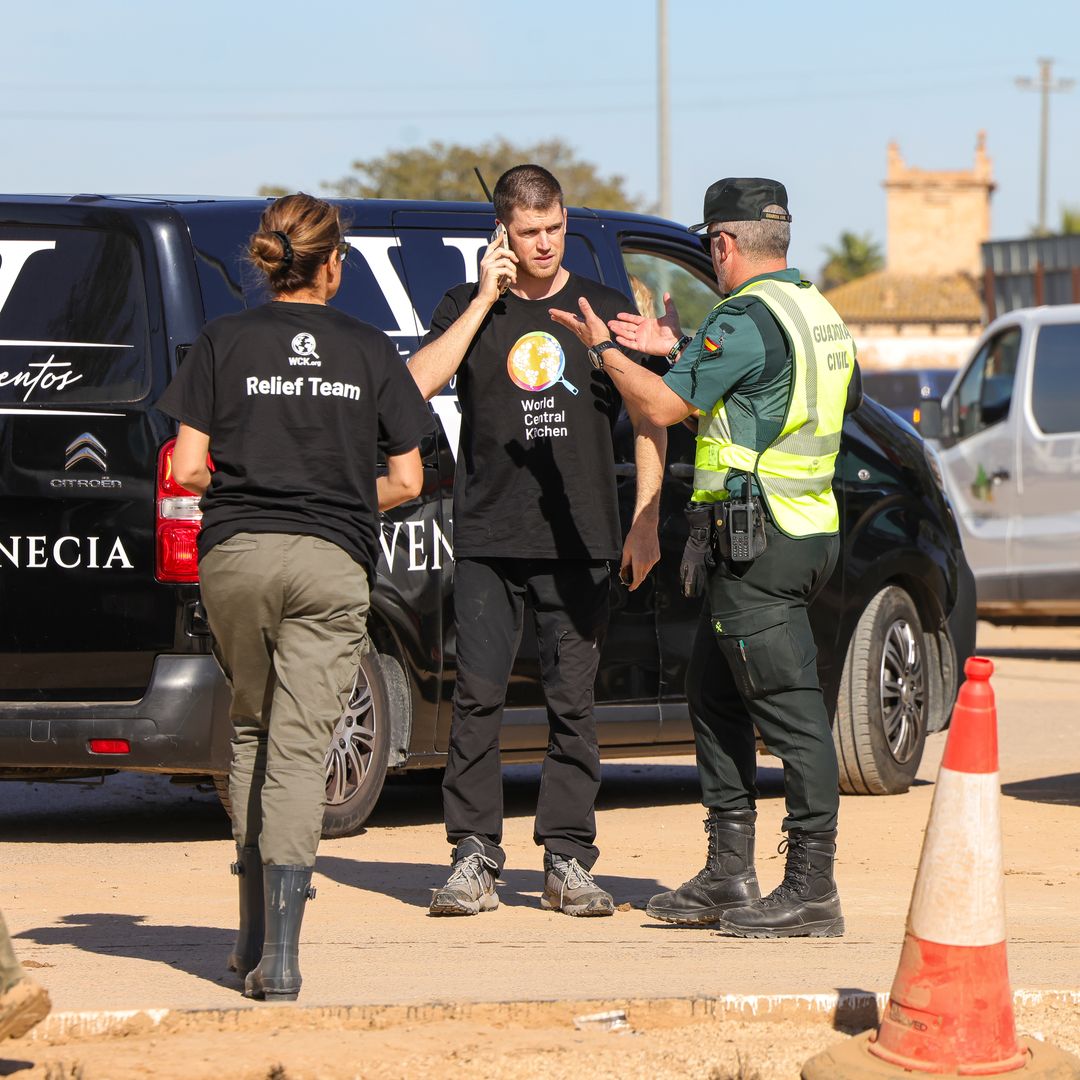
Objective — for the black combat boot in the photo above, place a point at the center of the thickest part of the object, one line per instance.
(248, 948)
(804, 904)
(728, 879)
(277, 976)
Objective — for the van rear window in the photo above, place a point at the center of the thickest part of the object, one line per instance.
(73, 321)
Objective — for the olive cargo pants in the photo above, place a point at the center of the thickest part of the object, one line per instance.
(754, 665)
(289, 618)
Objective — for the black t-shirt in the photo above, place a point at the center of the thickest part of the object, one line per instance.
(535, 470)
(295, 399)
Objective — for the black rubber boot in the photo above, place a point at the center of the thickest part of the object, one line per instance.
(277, 976)
(728, 879)
(249, 873)
(804, 904)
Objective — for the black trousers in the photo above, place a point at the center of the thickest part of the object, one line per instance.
(569, 601)
(754, 665)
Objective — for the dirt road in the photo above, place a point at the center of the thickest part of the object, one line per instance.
(120, 898)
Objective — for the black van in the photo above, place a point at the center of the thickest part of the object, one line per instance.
(104, 651)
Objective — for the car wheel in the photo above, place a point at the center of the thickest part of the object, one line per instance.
(881, 714)
(360, 747)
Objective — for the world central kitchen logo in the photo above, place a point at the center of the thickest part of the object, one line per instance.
(304, 354)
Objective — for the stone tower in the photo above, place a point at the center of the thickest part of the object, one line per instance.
(937, 220)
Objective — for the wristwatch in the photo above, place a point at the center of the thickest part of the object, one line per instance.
(677, 348)
(596, 353)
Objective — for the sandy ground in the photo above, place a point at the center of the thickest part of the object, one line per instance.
(493, 1047)
(119, 898)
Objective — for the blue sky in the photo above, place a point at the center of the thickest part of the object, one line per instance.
(216, 98)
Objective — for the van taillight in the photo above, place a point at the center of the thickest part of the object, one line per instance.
(178, 521)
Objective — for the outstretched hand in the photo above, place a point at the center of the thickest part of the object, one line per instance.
(655, 337)
(588, 326)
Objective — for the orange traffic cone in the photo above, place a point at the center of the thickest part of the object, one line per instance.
(950, 1010)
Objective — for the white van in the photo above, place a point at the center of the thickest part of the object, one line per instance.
(1008, 436)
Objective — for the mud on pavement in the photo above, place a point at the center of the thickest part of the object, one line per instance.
(715, 1039)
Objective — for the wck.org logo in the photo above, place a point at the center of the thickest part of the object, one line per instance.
(304, 354)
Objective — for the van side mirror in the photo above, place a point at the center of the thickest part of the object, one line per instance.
(929, 419)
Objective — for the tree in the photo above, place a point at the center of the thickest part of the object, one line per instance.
(1070, 219)
(445, 171)
(854, 256)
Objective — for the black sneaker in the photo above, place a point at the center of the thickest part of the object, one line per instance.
(569, 888)
(470, 888)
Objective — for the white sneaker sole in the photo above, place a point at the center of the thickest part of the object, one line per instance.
(593, 909)
(452, 906)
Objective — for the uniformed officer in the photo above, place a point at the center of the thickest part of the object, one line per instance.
(770, 373)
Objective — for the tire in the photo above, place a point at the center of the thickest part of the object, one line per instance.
(881, 714)
(221, 786)
(359, 748)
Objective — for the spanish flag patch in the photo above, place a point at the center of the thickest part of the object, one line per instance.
(713, 346)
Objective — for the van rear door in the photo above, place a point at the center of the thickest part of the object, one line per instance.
(82, 615)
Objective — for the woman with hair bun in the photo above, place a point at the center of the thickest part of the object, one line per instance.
(289, 399)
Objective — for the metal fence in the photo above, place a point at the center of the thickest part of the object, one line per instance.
(1027, 273)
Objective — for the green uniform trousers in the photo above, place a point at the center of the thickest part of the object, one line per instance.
(754, 665)
(289, 617)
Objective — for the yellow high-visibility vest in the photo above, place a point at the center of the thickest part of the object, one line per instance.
(794, 474)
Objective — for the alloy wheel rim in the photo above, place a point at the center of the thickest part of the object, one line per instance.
(348, 757)
(902, 687)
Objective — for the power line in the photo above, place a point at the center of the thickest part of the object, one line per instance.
(499, 113)
(1046, 86)
(681, 79)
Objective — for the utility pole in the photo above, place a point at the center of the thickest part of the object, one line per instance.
(1046, 86)
(663, 140)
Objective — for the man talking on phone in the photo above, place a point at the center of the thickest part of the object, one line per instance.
(536, 524)
(771, 373)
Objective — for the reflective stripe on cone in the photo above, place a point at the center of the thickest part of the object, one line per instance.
(959, 895)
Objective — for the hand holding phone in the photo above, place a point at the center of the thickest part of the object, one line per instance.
(504, 244)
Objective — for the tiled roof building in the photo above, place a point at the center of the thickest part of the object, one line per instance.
(925, 308)
(899, 300)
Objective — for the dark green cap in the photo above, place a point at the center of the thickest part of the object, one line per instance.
(743, 198)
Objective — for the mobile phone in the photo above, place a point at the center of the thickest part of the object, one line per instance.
(504, 242)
